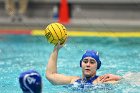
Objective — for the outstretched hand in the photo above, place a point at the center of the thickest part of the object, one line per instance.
(58, 46)
(109, 77)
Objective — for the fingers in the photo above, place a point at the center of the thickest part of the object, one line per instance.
(109, 77)
(58, 45)
(101, 78)
(105, 78)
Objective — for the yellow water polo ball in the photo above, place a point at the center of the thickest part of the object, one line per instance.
(56, 32)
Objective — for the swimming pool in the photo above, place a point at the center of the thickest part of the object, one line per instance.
(22, 52)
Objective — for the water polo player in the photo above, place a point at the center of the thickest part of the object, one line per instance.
(89, 63)
(30, 82)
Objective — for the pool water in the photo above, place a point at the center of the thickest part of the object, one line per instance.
(23, 52)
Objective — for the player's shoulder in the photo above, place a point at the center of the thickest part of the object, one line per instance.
(74, 78)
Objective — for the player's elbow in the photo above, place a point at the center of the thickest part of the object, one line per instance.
(48, 75)
(50, 78)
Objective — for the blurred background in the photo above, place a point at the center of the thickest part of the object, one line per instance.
(94, 15)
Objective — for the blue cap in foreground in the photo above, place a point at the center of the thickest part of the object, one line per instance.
(30, 82)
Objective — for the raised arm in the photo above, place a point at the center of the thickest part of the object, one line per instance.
(51, 71)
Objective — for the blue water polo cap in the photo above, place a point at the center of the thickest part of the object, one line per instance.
(30, 82)
(93, 54)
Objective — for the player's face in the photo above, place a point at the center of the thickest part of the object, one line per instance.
(89, 66)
